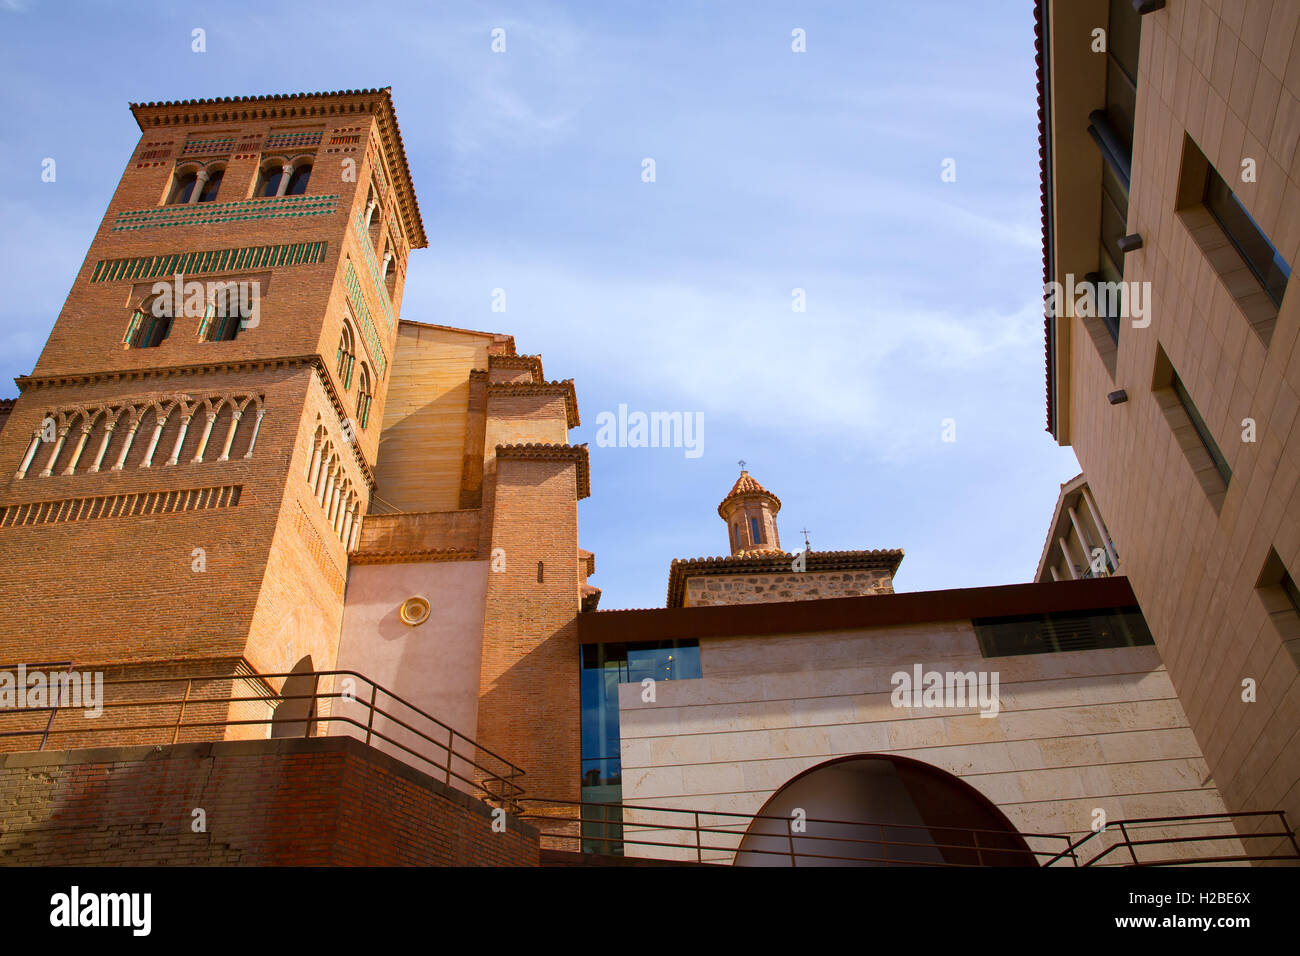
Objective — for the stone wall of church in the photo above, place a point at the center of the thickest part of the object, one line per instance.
(786, 586)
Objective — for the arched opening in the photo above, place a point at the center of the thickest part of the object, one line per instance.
(364, 396)
(881, 810)
(295, 714)
(346, 356)
(298, 180)
(183, 186)
(213, 184)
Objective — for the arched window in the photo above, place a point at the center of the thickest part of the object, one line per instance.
(268, 180)
(183, 188)
(346, 357)
(213, 185)
(146, 330)
(756, 531)
(735, 535)
(223, 317)
(363, 396)
(298, 180)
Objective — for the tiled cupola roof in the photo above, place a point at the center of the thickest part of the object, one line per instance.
(746, 485)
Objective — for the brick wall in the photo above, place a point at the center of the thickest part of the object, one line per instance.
(323, 801)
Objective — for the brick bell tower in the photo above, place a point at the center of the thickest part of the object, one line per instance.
(183, 475)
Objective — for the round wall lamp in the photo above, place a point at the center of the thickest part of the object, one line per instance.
(414, 611)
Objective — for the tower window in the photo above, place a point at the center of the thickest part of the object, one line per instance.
(269, 180)
(223, 318)
(363, 396)
(755, 531)
(183, 189)
(298, 180)
(146, 330)
(346, 357)
(212, 186)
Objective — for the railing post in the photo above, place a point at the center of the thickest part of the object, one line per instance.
(699, 850)
(1131, 852)
(979, 857)
(180, 714)
(1290, 833)
(451, 739)
(789, 834)
(370, 721)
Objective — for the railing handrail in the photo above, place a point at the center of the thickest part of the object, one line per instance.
(781, 819)
(1128, 842)
(504, 778)
(699, 845)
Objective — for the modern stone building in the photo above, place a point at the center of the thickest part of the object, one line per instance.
(1170, 165)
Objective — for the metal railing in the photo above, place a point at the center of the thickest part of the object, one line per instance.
(1133, 836)
(689, 839)
(164, 710)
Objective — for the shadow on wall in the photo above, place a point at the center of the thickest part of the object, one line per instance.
(880, 810)
(297, 717)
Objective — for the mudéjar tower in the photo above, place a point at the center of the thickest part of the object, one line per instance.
(215, 382)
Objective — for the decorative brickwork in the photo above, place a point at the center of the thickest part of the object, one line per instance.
(243, 210)
(220, 146)
(291, 140)
(381, 291)
(362, 313)
(119, 506)
(319, 553)
(200, 263)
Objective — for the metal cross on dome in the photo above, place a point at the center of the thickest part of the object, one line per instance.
(741, 463)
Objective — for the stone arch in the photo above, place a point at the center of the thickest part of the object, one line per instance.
(247, 407)
(119, 419)
(886, 810)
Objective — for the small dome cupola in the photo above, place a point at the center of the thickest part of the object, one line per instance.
(750, 513)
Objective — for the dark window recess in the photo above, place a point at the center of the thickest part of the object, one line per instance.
(184, 189)
(212, 186)
(146, 330)
(1112, 127)
(1202, 432)
(755, 531)
(1061, 631)
(1291, 591)
(1261, 257)
(298, 181)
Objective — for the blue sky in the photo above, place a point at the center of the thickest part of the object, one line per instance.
(774, 171)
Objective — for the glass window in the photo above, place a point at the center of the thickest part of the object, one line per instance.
(1263, 259)
(1202, 432)
(755, 531)
(603, 668)
(1061, 631)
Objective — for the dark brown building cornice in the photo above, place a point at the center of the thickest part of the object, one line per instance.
(838, 614)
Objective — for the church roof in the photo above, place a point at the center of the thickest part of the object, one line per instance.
(746, 485)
